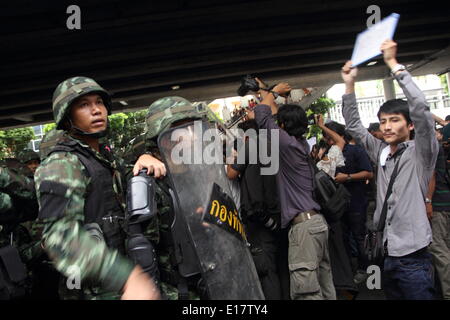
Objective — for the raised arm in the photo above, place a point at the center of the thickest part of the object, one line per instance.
(263, 114)
(419, 111)
(351, 114)
(340, 142)
(439, 120)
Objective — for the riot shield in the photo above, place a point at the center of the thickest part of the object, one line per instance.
(213, 225)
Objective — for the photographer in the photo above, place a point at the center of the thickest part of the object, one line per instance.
(309, 262)
(260, 211)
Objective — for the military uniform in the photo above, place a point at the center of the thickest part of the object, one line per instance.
(17, 204)
(158, 229)
(81, 201)
(162, 114)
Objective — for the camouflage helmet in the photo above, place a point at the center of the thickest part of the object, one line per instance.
(28, 155)
(165, 111)
(69, 90)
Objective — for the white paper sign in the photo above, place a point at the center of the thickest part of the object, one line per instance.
(368, 42)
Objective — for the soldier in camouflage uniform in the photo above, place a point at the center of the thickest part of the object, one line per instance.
(176, 109)
(31, 159)
(80, 189)
(17, 205)
(15, 188)
(163, 114)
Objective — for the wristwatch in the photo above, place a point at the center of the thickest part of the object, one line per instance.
(397, 67)
(427, 200)
(349, 177)
(275, 95)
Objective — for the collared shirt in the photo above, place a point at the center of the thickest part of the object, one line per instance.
(407, 227)
(294, 177)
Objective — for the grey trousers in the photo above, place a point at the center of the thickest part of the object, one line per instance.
(309, 261)
(440, 249)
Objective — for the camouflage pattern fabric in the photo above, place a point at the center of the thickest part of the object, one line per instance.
(16, 185)
(65, 240)
(49, 141)
(160, 224)
(69, 90)
(28, 155)
(163, 112)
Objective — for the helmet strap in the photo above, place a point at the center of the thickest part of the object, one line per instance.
(95, 135)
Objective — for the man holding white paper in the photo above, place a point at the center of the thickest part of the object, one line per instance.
(410, 142)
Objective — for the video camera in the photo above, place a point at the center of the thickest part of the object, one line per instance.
(249, 83)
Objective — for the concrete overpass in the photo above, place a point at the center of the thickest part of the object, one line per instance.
(141, 50)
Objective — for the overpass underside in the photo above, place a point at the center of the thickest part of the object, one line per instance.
(140, 50)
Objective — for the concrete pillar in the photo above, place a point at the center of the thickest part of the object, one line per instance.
(389, 89)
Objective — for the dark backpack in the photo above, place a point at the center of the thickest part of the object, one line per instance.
(333, 197)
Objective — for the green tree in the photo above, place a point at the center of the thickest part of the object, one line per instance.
(320, 106)
(48, 127)
(15, 140)
(124, 127)
(444, 83)
(117, 126)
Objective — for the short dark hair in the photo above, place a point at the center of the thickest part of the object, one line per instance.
(447, 118)
(395, 106)
(347, 136)
(294, 119)
(336, 127)
(374, 126)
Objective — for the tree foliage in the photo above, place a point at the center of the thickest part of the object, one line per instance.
(124, 127)
(48, 127)
(320, 106)
(14, 140)
(444, 83)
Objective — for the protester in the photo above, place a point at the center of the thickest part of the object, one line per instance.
(408, 270)
(438, 211)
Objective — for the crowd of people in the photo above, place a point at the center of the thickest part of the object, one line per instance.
(319, 249)
(69, 212)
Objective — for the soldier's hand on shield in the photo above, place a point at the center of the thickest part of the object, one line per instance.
(140, 286)
(152, 164)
